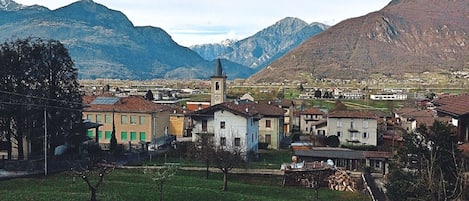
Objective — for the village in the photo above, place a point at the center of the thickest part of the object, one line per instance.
(354, 139)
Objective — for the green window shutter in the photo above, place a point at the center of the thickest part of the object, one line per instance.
(100, 134)
(90, 133)
(133, 136)
(123, 135)
(143, 136)
(107, 135)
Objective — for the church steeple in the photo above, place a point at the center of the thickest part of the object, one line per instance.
(218, 70)
(218, 88)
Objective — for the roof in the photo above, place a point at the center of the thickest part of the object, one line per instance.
(453, 105)
(285, 103)
(342, 153)
(218, 69)
(312, 111)
(121, 104)
(248, 109)
(351, 114)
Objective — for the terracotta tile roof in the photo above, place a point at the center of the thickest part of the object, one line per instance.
(285, 103)
(124, 104)
(351, 114)
(245, 109)
(313, 111)
(453, 105)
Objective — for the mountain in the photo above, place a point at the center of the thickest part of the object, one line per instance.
(406, 36)
(104, 44)
(265, 46)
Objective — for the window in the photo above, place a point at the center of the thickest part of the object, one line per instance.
(352, 125)
(107, 119)
(107, 135)
(133, 119)
(339, 123)
(204, 125)
(222, 141)
(142, 120)
(90, 133)
(143, 136)
(365, 124)
(339, 134)
(217, 86)
(237, 142)
(123, 119)
(268, 139)
(99, 118)
(133, 136)
(89, 117)
(267, 123)
(222, 125)
(365, 135)
(100, 134)
(123, 135)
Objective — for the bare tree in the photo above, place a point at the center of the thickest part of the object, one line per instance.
(203, 150)
(85, 174)
(226, 160)
(161, 176)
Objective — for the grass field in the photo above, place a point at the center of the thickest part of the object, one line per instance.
(185, 185)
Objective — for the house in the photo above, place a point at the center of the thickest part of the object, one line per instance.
(355, 127)
(288, 106)
(310, 119)
(232, 125)
(411, 118)
(134, 119)
(178, 123)
(271, 125)
(457, 108)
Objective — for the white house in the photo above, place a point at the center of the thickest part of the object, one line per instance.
(232, 125)
(355, 127)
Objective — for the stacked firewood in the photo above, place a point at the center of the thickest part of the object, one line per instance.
(341, 181)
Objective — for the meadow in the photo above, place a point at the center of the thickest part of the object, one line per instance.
(132, 184)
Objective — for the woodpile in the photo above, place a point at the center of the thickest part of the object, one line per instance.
(341, 181)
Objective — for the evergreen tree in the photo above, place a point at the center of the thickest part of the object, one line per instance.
(39, 80)
(427, 167)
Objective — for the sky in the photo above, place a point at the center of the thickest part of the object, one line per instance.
(191, 22)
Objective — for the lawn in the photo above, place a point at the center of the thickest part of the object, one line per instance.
(185, 185)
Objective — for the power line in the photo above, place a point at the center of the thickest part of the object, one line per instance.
(42, 98)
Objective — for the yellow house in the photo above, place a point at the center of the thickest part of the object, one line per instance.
(178, 122)
(136, 120)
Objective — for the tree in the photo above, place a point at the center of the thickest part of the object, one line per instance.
(317, 93)
(332, 141)
(39, 81)
(113, 140)
(225, 161)
(161, 176)
(428, 166)
(203, 151)
(85, 174)
(149, 95)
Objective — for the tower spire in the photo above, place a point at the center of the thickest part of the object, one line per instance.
(218, 70)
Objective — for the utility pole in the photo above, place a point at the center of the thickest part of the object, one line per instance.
(45, 141)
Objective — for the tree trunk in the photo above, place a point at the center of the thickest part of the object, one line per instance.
(161, 191)
(207, 163)
(93, 194)
(225, 180)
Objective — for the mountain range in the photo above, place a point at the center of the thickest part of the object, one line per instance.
(265, 46)
(103, 43)
(406, 36)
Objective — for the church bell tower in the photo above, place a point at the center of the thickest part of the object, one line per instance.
(218, 88)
